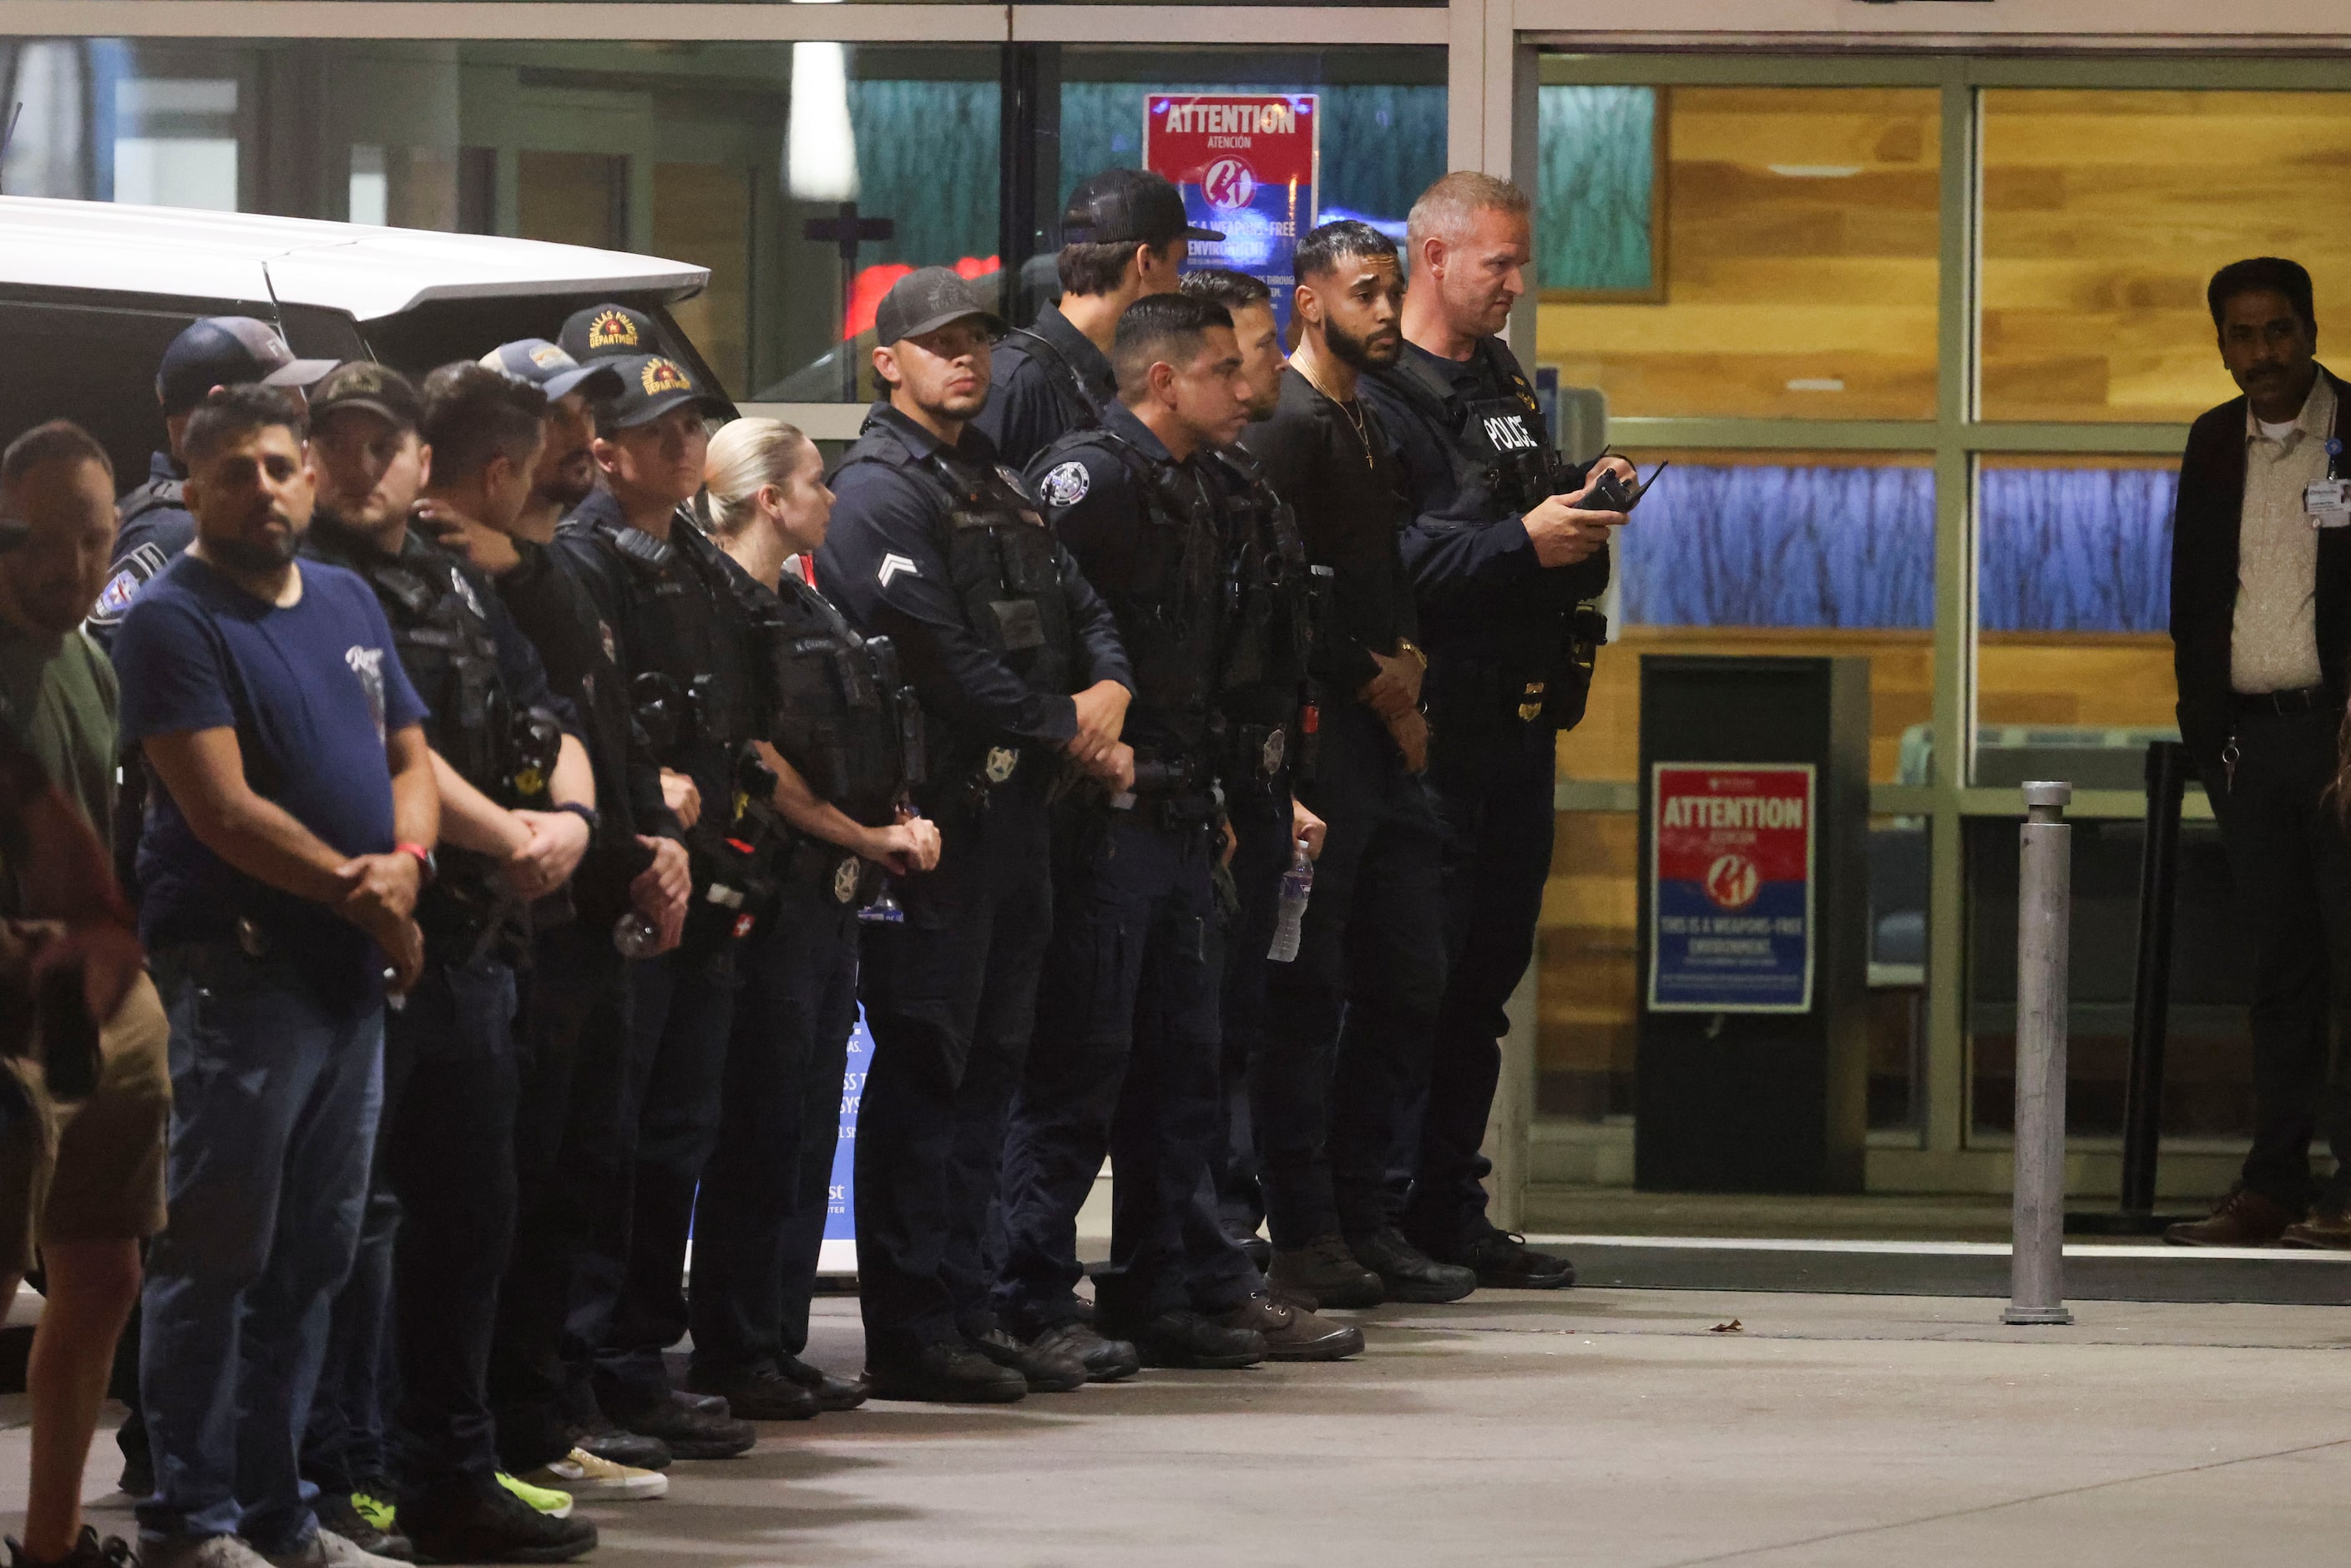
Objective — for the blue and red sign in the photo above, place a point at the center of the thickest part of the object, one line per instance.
(1731, 888)
(839, 1255)
(1247, 164)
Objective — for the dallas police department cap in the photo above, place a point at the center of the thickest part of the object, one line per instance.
(608, 332)
(926, 299)
(652, 385)
(227, 352)
(541, 364)
(1124, 204)
(363, 383)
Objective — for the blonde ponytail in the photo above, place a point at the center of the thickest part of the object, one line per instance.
(745, 454)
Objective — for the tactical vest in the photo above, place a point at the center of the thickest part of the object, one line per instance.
(1272, 601)
(442, 629)
(1497, 445)
(687, 689)
(838, 709)
(1070, 393)
(1169, 598)
(1005, 566)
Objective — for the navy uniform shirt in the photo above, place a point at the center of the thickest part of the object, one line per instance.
(1029, 406)
(882, 564)
(1091, 499)
(1474, 569)
(152, 527)
(1352, 512)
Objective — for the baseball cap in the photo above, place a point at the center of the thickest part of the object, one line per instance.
(227, 351)
(926, 299)
(551, 371)
(652, 385)
(363, 383)
(608, 332)
(1124, 204)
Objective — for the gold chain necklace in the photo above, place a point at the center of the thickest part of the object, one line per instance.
(1354, 415)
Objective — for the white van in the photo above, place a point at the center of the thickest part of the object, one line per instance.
(91, 293)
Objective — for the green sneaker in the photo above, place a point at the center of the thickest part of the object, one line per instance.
(546, 1499)
(380, 1514)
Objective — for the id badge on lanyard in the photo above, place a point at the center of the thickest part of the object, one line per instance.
(2328, 502)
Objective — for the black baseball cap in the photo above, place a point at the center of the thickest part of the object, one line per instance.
(926, 299)
(227, 352)
(541, 364)
(1128, 205)
(608, 332)
(652, 385)
(363, 383)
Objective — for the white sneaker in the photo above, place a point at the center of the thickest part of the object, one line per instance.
(327, 1550)
(583, 1475)
(209, 1551)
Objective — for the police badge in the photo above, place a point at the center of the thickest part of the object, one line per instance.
(1001, 761)
(845, 878)
(1531, 704)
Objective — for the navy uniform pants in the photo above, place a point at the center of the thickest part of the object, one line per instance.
(1491, 784)
(572, 1152)
(1123, 1062)
(630, 1301)
(1349, 1023)
(758, 1224)
(950, 995)
(1261, 854)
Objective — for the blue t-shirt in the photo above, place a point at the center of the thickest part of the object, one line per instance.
(311, 690)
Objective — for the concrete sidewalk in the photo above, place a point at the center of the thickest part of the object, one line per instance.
(1599, 1426)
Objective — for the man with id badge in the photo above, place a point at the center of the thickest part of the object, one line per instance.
(2261, 627)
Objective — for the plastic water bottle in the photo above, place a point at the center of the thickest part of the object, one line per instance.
(1297, 887)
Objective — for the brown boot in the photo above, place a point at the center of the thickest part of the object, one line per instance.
(2242, 1219)
(1291, 1334)
(2328, 1230)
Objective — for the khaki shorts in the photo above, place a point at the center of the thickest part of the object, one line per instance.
(93, 1171)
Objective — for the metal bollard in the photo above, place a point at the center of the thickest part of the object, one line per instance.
(2044, 896)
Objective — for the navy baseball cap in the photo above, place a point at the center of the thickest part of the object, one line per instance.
(541, 364)
(652, 385)
(227, 351)
(1120, 205)
(926, 299)
(608, 332)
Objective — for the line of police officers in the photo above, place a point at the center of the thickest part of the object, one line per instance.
(1056, 736)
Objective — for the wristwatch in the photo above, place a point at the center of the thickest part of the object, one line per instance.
(428, 869)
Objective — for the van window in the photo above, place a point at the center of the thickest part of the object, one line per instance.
(94, 364)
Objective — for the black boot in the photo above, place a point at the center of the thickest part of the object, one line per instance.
(480, 1521)
(1407, 1273)
(1190, 1339)
(1046, 1371)
(950, 1371)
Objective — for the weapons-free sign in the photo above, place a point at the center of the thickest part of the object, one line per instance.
(1731, 888)
(1245, 163)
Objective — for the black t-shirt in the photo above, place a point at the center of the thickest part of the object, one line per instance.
(1344, 486)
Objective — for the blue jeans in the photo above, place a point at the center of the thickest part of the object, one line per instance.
(275, 1098)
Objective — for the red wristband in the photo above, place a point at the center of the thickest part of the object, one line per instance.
(424, 861)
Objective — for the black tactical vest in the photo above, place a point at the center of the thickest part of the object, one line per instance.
(1272, 599)
(688, 688)
(837, 708)
(441, 627)
(1498, 445)
(1168, 595)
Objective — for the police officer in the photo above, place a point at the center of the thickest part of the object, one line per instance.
(845, 747)
(1122, 1063)
(1266, 694)
(608, 331)
(1504, 565)
(1124, 235)
(444, 1146)
(1018, 668)
(663, 596)
(572, 1151)
(1348, 1023)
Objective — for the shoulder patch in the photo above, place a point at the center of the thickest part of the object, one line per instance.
(1066, 484)
(131, 575)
